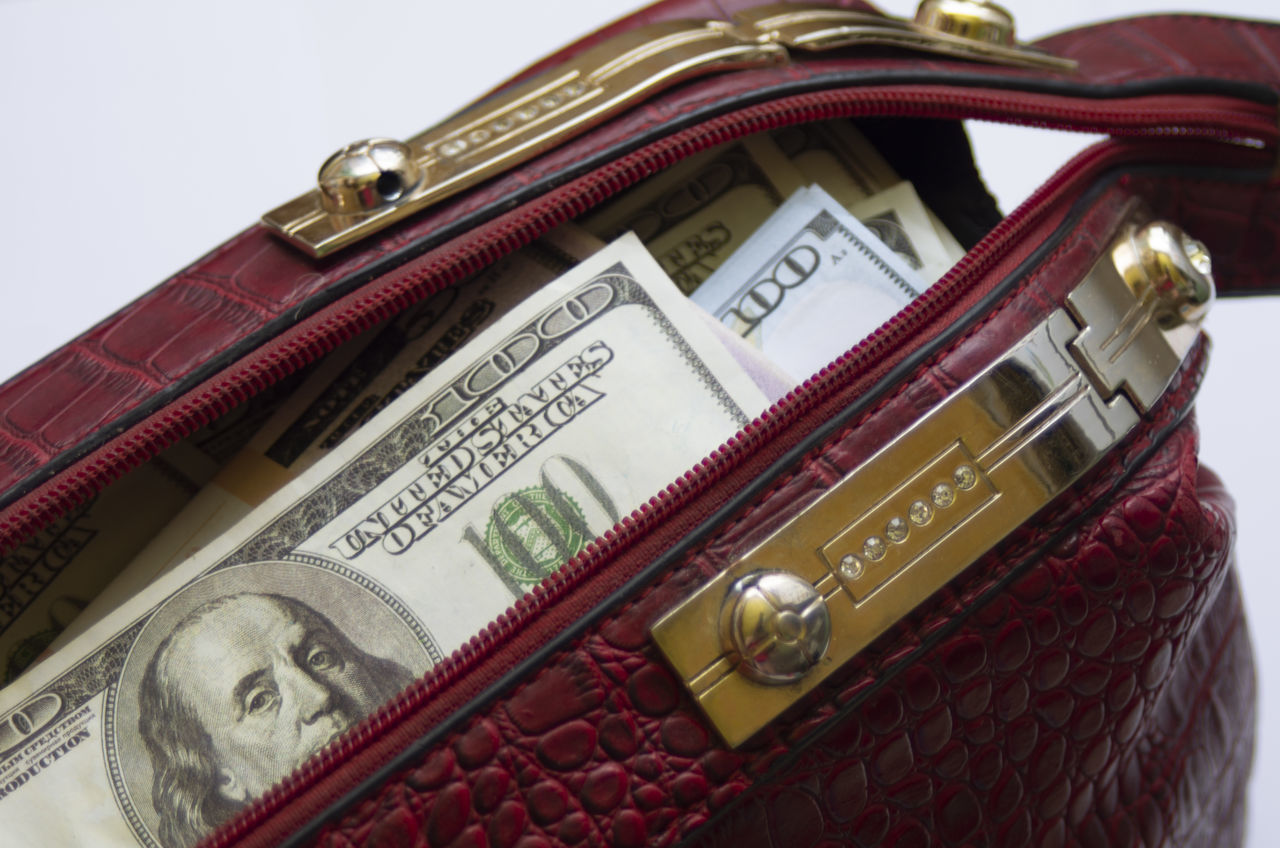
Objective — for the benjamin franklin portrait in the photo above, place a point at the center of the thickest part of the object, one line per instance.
(241, 690)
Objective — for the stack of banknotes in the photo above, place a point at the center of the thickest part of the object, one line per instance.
(178, 645)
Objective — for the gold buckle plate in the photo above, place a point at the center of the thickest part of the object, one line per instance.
(372, 184)
(784, 616)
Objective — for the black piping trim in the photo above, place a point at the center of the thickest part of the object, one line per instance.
(680, 550)
(1176, 85)
(391, 261)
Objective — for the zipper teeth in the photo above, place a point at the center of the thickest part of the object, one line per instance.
(1211, 124)
(930, 103)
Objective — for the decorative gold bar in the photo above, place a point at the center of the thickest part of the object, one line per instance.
(944, 492)
(374, 183)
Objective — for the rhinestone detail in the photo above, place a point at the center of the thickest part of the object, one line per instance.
(453, 147)
(920, 513)
(874, 548)
(897, 529)
(943, 495)
(966, 478)
(851, 568)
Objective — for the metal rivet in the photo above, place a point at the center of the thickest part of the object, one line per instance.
(1168, 271)
(778, 625)
(975, 20)
(368, 175)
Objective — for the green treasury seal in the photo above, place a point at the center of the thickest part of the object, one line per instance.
(531, 535)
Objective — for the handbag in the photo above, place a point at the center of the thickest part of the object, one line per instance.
(1085, 679)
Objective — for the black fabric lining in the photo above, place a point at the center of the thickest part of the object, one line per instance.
(1180, 85)
(696, 537)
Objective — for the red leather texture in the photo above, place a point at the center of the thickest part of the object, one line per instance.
(1116, 605)
(1103, 696)
(1105, 699)
(1088, 704)
(226, 301)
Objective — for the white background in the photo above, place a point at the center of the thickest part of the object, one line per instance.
(135, 136)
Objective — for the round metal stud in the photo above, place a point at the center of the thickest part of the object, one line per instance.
(778, 624)
(1161, 261)
(368, 175)
(975, 20)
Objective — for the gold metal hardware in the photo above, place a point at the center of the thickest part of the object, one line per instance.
(372, 184)
(974, 20)
(826, 28)
(949, 488)
(367, 175)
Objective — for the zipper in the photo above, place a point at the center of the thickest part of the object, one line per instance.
(1217, 118)
(1248, 127)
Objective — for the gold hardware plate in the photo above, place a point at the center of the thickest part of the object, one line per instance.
(941, 495)
(497, 134)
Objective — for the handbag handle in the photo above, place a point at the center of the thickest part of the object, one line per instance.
(371, 184)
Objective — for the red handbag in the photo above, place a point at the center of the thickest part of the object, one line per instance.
(1084, 675)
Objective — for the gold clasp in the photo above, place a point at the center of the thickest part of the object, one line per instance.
(948, 489)
(372, 184)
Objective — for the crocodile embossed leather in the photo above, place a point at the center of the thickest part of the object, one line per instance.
(1088, 680)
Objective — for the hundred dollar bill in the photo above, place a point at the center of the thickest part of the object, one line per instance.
(834, 155)
(349, 388)
(693, 216)
(809, 284)
(174, 711)
(900, 220)
(837, 157)
(49, 578)
(46, 583)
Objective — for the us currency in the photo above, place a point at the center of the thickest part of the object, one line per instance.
(47, 581)
(837, 157)
(900, 219)
(506, 460)
(809, 284)
(834, 155)
(695, 215)
(349, 388)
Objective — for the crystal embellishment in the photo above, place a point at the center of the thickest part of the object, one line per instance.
(943, 495)
(851, 568)
(920, 513)
(874, 548)
(453, 147)
(966, 478)
(897, 529)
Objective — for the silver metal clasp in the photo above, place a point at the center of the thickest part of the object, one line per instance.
(954, 484)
